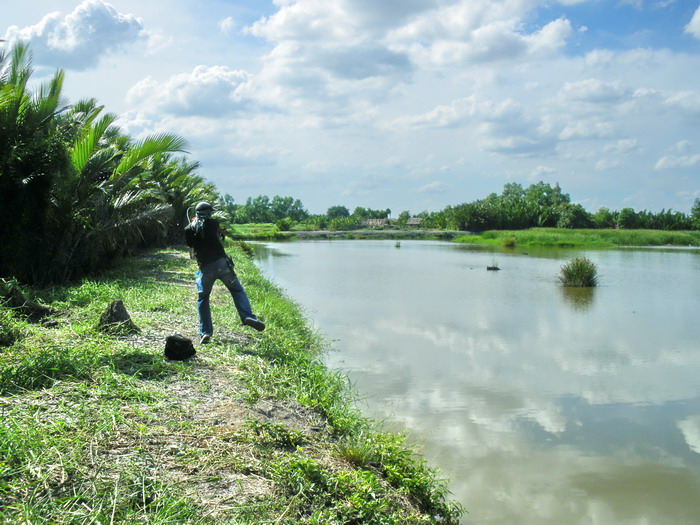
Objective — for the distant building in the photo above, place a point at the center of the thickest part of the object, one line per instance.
(413, 222)
(375, 223)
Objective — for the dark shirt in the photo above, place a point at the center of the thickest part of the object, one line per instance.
(207, 246)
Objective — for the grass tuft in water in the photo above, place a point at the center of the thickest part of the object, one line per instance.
(579, 272)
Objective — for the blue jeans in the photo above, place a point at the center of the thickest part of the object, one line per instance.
(207, 275)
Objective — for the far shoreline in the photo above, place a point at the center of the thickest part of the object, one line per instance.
(533, 237)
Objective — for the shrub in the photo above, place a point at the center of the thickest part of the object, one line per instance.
(581, 272)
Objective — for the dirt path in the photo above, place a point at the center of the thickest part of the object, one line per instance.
(211, 400)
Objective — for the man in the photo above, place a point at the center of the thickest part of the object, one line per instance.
(203, 237)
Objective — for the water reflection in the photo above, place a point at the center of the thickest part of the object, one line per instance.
(541, 407)
(578, 298)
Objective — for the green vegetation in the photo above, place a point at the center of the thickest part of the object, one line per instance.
(541, 205)
(76, 192)
(587, 238)
(580, 272)
(516, 208)
(254, 429)
(257, 231)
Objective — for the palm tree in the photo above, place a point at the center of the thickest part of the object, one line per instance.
(76, 192)
(98, 212)
(32, 155)
(175, 182)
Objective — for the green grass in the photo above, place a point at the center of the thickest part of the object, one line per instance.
(590, 238)
(102, 429)
(256, 231)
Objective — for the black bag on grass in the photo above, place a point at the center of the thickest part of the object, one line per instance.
(178, 347)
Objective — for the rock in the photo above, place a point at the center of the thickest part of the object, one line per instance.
(115, 320)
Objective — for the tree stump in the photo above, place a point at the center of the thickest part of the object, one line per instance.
(11, 296)
(115, 320)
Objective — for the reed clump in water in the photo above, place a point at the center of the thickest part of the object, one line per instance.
(579, 272)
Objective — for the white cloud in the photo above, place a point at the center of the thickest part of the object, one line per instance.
(622, 146)
(437, 186)
(683, 146)
(227, 25)
(338, 52)
(637, 4)
(443, 116)
(669, 162)
(690, 428)
(78, 40)
(540, 172)
(587, 129)
(607, 164)
(687, 101)
(594, 90)
(680, 157)
(551, 37)
(206, 91)
(693, 27)
(475, 31)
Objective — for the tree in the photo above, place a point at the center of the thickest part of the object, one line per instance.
(604, 218)
(627, 218)
(337, 212)
(402, 219)
(174, 181)
(287, 208)
(360, 213)
(103, 206)
(573, 216)
(695, 214)
(32, 155)
(76, 192)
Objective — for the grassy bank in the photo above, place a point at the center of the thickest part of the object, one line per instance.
(270, 232)
(378, 234)
(102, 429)
(584, 238)
(262, 231)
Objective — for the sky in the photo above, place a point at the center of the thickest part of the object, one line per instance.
(401, 104)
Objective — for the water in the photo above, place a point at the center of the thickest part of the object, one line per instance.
(542, 405)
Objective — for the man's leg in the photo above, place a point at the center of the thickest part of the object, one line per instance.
(205, 282)
(240, 298)
(241, 301)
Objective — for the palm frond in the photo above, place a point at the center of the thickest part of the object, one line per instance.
(87, 145)
(148, 147)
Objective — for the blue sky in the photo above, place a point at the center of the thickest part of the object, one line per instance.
(626, 25)
(406, 104)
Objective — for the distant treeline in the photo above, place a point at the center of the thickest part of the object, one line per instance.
(516, 208)
(541, 205)
(289, 214)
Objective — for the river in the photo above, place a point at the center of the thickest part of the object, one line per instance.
(540, 404)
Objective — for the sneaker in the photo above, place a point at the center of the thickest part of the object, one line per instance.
(204, 339)
(254, 323)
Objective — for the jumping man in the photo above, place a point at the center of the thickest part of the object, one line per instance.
(204, 237)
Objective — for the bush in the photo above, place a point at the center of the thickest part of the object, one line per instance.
(581, 272)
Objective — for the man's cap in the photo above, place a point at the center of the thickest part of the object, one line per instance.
(203, 206)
